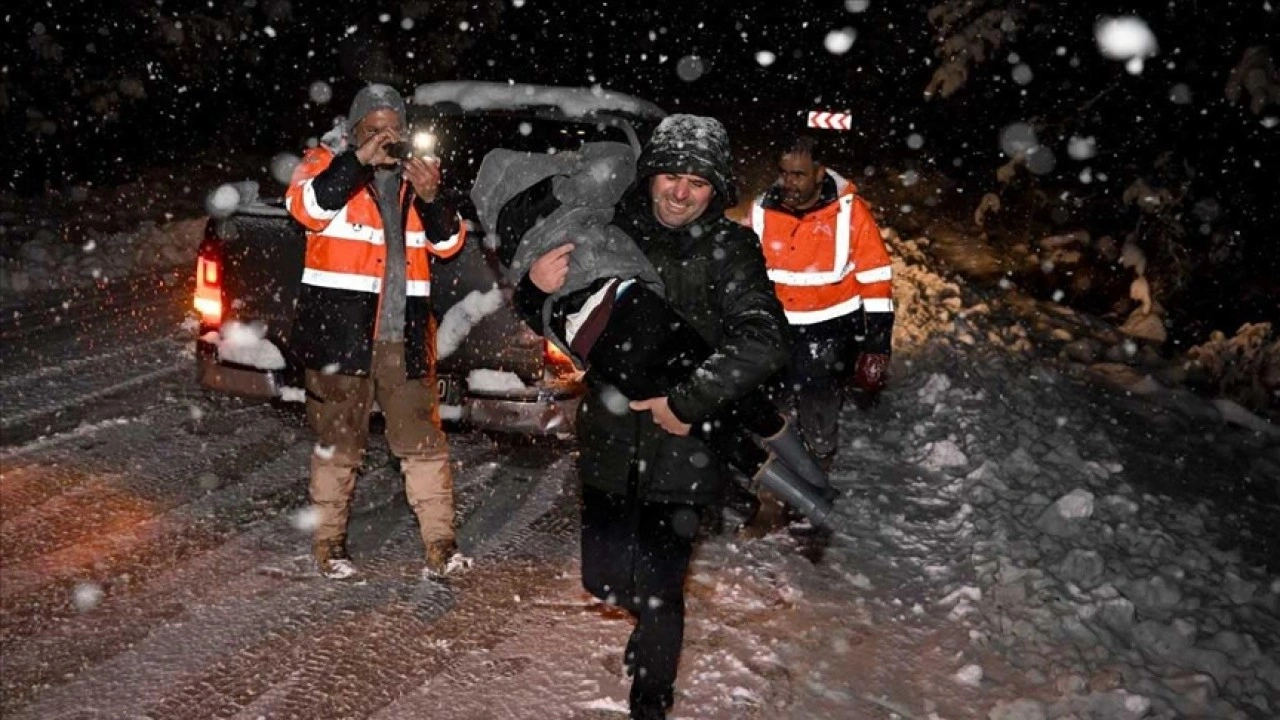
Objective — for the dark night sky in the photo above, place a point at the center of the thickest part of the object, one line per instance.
(95, 92)
(235, 73)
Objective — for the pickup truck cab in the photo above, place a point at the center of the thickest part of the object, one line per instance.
(493, 372)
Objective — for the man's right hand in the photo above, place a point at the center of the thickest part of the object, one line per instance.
(373, 151)
(548, 272)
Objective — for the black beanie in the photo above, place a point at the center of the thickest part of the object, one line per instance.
(694, 145)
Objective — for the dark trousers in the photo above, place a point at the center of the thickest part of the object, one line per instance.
(633, 557)
(814, 386)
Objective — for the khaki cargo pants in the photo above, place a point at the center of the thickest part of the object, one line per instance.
(338, 408)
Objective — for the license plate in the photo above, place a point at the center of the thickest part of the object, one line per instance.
(449, 390)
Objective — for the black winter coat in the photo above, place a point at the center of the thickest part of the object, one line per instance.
(714, 275)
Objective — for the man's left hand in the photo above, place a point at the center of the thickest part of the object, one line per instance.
(662, 415)
(424, 175)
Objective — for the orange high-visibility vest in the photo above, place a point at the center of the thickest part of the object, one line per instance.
(828, 261)
(346, 249)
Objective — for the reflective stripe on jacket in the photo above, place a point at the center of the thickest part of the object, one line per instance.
(827, 261)
(345, 248)
(343, 271)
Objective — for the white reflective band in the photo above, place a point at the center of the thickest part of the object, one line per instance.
(311, 206)
(343, 229)
(877, 304)
(448, 245)
(844, 220)
(415, 239)
(418, 288)
(875, 275)
(809, 317)
(341, 281)
(809, 279)
(757, 217)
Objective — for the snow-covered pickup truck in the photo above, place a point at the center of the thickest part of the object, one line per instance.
(493, 372)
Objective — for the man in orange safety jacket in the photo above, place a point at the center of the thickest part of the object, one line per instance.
(833, 275)
(363, 327)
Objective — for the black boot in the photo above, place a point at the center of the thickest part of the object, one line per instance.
(778, 478)
(650, 704)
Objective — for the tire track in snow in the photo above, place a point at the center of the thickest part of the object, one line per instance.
(68, 367)
(215, 634)
(14, 418)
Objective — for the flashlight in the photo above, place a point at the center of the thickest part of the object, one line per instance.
(424, 143)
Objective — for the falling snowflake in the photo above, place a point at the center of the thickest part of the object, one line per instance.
(1082, 148)
(838, 42)
(86, 596)
(690, 68)
(282, 166)
(223, 201)
(320, 92)
(1017, 138)
(1180, 94)
(1126, 38)
(765, 58)
(306, 519)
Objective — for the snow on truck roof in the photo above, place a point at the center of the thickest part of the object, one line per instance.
(572, 101)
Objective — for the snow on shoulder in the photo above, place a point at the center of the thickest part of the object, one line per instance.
(573, 101)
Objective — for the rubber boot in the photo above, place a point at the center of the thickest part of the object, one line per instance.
(778, 478)
(790, 449)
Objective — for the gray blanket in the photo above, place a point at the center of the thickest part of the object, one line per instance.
(588, 183)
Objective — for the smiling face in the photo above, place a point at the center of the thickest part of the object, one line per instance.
(679, 199)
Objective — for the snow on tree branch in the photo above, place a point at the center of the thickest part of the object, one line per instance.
(968, 34)
(1255, 75)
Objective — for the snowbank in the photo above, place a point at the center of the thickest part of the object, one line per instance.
(49, 261)
(1239, 375)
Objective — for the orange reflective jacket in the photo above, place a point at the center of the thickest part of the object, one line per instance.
(345, 248)
(827, 261)
(339, 301)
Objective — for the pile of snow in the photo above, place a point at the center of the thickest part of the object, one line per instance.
(495, 381)
(1244, 370)
(246, 344)
(576, 102)
(1245, 366)
(459, 319)
(1121, 600)
(48, 261)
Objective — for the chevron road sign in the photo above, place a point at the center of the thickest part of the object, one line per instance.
(830, 120)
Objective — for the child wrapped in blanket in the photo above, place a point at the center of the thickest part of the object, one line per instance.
(610, 316)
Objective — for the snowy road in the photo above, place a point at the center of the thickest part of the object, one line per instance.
(1010, 537)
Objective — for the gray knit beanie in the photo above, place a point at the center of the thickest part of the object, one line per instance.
(694, 145)
(374, 97)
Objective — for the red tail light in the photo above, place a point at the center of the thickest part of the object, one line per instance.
(556, 357)
(208, 297)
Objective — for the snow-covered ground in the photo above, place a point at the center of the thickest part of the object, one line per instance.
(1016, 541)
(1036, 521)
